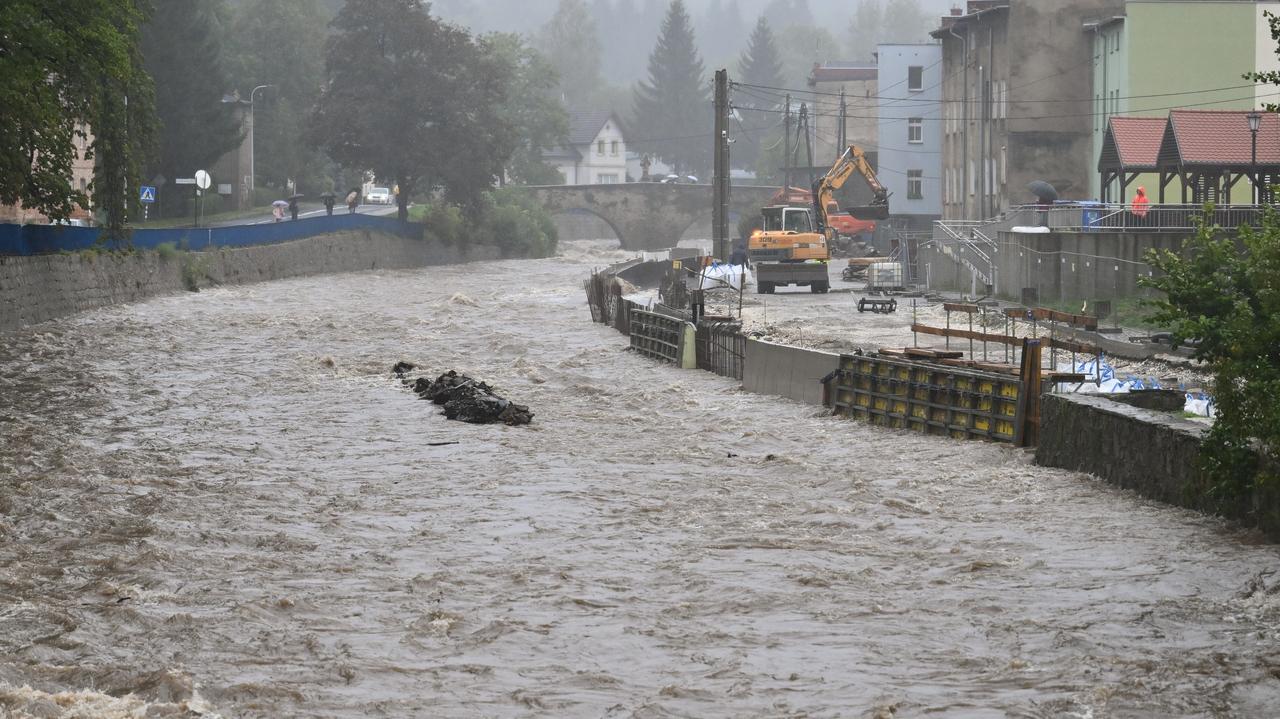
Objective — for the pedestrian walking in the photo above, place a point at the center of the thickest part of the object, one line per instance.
(293, 207)
(328, 204)
(353, 201)
(277, 212)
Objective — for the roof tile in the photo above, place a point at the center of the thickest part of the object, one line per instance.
(1138, 139)
(1222, 137)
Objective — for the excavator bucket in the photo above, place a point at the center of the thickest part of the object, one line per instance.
(869, 212)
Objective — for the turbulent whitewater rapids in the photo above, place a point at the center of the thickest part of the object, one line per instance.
(219, 504)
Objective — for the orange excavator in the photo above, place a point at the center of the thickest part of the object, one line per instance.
(793, 246)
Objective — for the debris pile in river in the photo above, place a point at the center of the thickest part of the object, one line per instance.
(464, 398)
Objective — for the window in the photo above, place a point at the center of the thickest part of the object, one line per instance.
(613, 148)
(607, 178)
(973, 179)
(915, 78)
(915, 130)
(915, 184)
(600, 147)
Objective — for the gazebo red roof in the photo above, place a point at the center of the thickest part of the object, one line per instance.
(1132, 143)
(1219, 138)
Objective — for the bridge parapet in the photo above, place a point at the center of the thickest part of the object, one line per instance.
(647, 215)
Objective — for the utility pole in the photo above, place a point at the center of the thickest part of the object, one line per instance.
(720, 186)
(786, 143)
(843, 130)
(803, 126)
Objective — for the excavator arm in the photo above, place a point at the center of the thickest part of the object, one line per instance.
(850, 161)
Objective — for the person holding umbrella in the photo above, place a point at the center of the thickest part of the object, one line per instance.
(293, 205)
(328, 198)
(277, 209)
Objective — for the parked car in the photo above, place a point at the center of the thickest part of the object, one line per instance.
(378, 196)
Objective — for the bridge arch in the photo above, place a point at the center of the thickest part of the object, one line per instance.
(576, 212)
(647, 215)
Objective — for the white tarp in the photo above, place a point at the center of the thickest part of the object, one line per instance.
(723, 275)
(1104, 374)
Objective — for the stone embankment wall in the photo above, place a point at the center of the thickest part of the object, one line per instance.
(1154, 453)
(45, 287)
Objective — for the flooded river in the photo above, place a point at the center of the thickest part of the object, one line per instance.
(222, 504)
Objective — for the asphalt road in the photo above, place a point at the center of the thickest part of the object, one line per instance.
(306, 209)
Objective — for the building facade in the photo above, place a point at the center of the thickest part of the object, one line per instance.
(1016, 105)
(910, 130)
(832, 130)
(81, 180)
(1157, 55)
(596, 152)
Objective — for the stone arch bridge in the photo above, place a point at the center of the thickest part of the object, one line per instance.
(649, 215)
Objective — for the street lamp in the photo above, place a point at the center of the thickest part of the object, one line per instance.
(1255, 119)
(253, 178)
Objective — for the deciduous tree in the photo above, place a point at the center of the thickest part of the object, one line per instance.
(864, 30)
(415, 100)
(281, 43)
(674, 116)
(532, 109)
(1226, 296)
(182, 47)
(65, 68)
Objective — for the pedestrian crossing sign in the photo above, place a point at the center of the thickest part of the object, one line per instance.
(147, 193)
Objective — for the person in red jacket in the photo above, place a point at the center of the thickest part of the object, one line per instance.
(1140, 204)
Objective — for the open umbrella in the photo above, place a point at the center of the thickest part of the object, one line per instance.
(280, 203)
(326, 194)
(1043, 191)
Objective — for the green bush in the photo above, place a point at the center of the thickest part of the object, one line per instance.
(167, 250)
(510, 221)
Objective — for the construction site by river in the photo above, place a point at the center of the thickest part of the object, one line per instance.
(225, 504)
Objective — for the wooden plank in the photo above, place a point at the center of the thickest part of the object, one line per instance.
(960, 307)
(1073, 377)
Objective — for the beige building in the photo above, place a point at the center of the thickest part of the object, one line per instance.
(81, 179)
(858, 82)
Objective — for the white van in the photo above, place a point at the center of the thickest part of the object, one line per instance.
(378, 196)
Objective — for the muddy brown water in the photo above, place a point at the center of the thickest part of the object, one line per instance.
(222, 504)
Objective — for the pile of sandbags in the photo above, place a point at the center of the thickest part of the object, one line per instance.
(464, 398)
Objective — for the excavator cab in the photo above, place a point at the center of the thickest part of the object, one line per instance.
(787, 219)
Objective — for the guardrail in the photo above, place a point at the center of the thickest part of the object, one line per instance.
(26, 240)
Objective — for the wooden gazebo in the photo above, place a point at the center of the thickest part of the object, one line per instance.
(1130, 148)
(1211, 151)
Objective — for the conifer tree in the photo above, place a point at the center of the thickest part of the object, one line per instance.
(570, 42)
(760, 65)
(673, 110)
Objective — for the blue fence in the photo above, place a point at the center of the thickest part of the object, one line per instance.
(45, 239)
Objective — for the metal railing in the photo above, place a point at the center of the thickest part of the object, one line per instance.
(962, 235)
(1126, 217)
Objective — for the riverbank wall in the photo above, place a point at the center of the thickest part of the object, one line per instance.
(41, 287)
(1152, 452)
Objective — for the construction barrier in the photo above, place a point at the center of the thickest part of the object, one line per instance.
(663, 338)
(927, 398)
(721, 347)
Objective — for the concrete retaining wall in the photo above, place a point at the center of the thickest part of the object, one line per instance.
(45, 287)
(1060, 266)
(786, 371)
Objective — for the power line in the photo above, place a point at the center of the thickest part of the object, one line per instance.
(922, 101)
(1054, 117)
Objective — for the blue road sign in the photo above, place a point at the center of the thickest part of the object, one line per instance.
(147, 193)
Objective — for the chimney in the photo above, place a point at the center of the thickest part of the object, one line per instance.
(956, 11)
